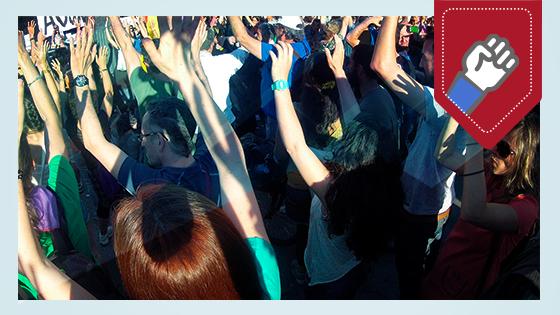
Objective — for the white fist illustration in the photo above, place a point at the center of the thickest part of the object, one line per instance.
(488, 63)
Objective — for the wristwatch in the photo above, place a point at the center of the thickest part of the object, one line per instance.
(81, 80)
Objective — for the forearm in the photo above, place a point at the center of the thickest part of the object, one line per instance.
(385, 47)
(344, 27)
(353, 37)
(240, 32)
(473, 201)
(53, 88)
(88, 121)
(108, 89)
(51, 283)
(212, 123)
(348, 102)
(289, 126)
(45, 106)
(123, 39)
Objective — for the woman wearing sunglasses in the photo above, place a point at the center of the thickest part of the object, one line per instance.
(499, 208)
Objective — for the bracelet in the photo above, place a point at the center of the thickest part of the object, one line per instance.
(473, 173)
(34, 80)
(101, 70)
(19, 174)
(472, 143)
(280, 85)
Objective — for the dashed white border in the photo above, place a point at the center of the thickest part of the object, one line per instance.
(530, 61)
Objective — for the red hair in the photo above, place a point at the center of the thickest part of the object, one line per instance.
(172, 243)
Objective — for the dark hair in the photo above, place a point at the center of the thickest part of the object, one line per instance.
(32, 120)
(267, 31)
(319, 100)
(25, 164)
(365, 193)
(361, 56)
(526, 144)
(172, 243)
(169, 115)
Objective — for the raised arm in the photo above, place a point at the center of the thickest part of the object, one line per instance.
(43, 65)
(239, 201)
(123, 39)
(384, 61)
(353, 37)
(250, 43)
(466, 158)
(310, 167)
(348, 102)
(101, 60)
(81, 58)
(50, 282)
(346, 21)
(55, 66)
(43, 101)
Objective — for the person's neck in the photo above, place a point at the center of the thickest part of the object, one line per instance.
(178, 161)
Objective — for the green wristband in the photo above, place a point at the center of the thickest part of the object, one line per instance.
(280, 85)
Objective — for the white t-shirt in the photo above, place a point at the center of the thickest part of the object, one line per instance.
(218, 70)
(326, 259)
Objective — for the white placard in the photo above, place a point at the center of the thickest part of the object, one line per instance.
(65, 23)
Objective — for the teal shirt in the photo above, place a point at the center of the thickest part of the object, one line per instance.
(267, 267)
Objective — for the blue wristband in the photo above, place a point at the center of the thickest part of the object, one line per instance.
(465, 94)
(280, 85)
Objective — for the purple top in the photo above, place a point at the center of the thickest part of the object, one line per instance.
(46, 207)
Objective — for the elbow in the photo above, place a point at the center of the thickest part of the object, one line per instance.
(350, 40)
(378, 65)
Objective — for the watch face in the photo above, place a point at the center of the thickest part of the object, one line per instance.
(81, 81)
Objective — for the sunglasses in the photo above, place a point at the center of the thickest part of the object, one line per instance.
(503, 149)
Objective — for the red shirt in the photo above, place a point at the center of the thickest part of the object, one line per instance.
(464, 255)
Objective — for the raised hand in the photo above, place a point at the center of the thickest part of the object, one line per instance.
(336, 59)
(102, 57)
(82, 54)
(40, 55)
(31, 29)
(55, 65)
(176, 32)
(281, 61)
(141, 26)
(199, 37)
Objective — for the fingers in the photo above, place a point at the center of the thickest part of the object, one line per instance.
(163, 24)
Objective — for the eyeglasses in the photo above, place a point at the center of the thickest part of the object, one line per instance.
(144, 136)
(503, 149)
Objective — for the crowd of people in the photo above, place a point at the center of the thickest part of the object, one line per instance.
(184, 123)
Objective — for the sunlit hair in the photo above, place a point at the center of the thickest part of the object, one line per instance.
(172, 243)
(319, 100)
(525, 142)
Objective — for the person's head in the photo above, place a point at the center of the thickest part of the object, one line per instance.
(515, 157)
(403, 36)
(289, 29)
(359, 66)
(319, 100)
(364, 193)
(265, 32)
(164, 132)
(172, 243)
(427, 60)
